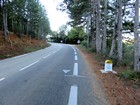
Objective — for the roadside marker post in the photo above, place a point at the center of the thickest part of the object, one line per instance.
(108, 67)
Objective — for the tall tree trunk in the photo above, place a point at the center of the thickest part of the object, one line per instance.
(93, 45)
(137, 38)
(27, 28)
(20, 29)
(98, 18)
(119, 31)
(5, 26)
(88, 31)
(113, 45)
(104, 31)
(13, 25)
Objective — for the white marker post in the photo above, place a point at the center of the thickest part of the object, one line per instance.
(108, 67)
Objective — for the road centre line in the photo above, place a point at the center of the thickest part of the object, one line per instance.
(75, 71)
(75, 53)
(73, 95)
(29, 65)
(1, 79)
(76, 58)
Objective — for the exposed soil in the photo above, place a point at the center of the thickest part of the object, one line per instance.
(118, 91)
(14, 45)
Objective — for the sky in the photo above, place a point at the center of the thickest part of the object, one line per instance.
(56, 18)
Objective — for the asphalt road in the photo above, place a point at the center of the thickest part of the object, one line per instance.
(56, 75)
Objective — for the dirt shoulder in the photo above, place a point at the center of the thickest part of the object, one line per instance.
(118, 91)
(15, 45)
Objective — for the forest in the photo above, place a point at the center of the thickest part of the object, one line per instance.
(108, 25)
(24, 25)
(26, 17)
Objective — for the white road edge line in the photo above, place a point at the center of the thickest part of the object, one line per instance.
(20, 56)
(76, 58)
(75, 71)
(29, 65)
(73, 95)
(47, 56)
(1, 79)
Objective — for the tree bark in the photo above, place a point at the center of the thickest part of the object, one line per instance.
(113, 45)
(93, 45)
(13, 25)
(137, 38)
(105, 28)
(119, 31)
(98, 18)
(5, 26)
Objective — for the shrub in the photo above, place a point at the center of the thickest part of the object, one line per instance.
(84, 43)
(130, 75)
(128, 53)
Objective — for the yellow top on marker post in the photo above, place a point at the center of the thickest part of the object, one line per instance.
(108, 61)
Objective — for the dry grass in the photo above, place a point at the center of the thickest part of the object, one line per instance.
(14, 45)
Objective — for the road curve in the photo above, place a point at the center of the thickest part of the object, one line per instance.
(56, 75)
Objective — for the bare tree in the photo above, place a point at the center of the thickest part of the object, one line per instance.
(137, 38)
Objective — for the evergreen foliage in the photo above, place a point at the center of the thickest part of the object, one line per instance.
(25, 17)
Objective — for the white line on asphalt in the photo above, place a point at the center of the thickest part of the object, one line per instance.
(1, 79)
(75, 71)
(76, 58)
(47, 56)
(20, 56)
(74, 49)
(29, 65)
(75, 52)
(73, 95)
(78, 76)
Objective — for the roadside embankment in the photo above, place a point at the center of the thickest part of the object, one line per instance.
(16, 45)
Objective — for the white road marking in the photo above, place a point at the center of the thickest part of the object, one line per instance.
(73, 49)
(73, 95)
(1, 79)
(79, 76)
(76, 58)
(75, 52)
(19, 56)
(29, 65)
(75, 71)
(66, 71)
(47, 56)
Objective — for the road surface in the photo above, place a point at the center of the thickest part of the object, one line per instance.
(56, 75)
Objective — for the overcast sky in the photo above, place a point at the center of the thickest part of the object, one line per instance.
(56, 18)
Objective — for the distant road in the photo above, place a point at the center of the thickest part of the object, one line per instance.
(56, 75)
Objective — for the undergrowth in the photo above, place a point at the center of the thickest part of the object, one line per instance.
(130, 75)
